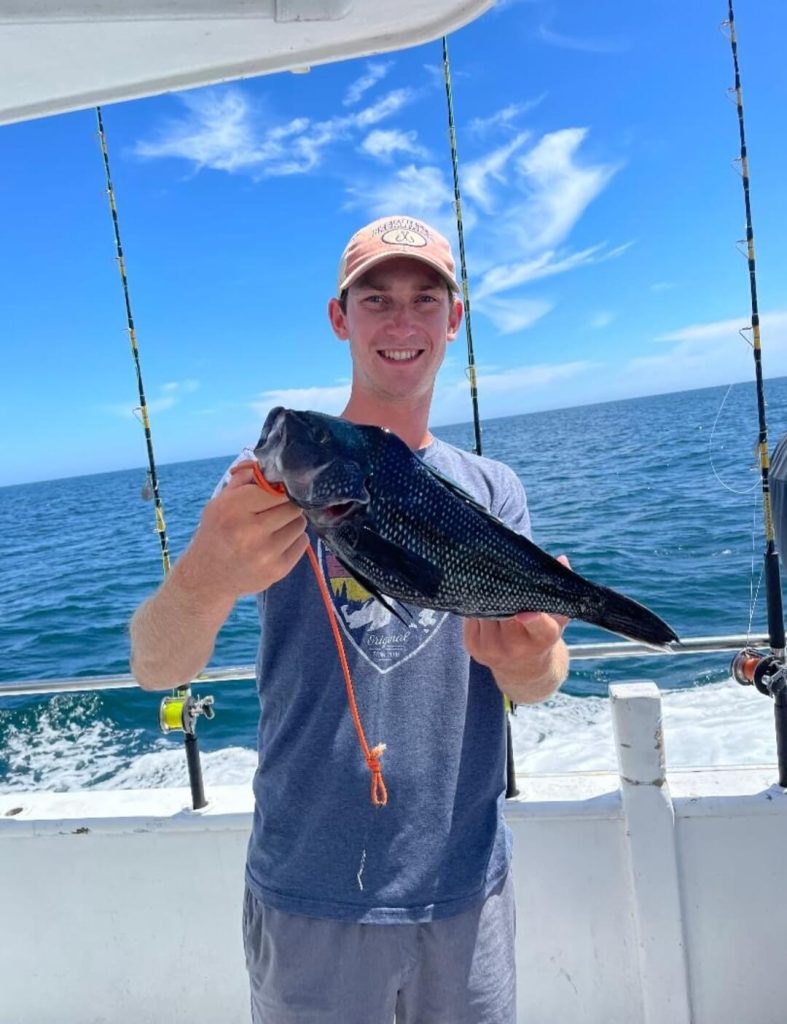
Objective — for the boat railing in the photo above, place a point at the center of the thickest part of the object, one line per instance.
(235, 673)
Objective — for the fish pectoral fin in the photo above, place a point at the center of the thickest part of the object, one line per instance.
(418, 573)
(378, 595)
(459, 492)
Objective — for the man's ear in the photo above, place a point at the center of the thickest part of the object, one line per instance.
(338, 319)
(454, 319)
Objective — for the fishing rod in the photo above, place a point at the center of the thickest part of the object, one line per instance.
(181, 710)
(462, 262)
(511, 786)
(767, 672)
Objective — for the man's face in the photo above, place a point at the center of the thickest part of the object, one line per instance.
(399, 317)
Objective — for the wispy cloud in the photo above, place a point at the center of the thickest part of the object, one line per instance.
(683, 354)
(222, 131)
(478, 175)
(585, 44)
(513, 314)
(510, 275)
(719, 330)
(330, 399)
(384, 144)
(602, 319)
(503, 119)
(559, 188)
(375, 72)
(169, 395)
(662, 286)
(421, 191)
(510, 390)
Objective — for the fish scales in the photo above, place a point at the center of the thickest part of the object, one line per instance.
(405, 532)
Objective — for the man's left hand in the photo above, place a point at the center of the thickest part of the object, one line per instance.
(526, 653)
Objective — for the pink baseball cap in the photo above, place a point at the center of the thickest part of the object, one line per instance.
(396, 236)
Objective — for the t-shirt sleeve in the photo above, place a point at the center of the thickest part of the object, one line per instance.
(244, 456)
(511, 503)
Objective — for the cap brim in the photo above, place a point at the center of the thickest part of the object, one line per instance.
(382, 257)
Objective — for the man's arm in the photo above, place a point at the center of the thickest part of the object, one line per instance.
(247, 540)
(526, 653)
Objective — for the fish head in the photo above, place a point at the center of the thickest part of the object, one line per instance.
(320, 460)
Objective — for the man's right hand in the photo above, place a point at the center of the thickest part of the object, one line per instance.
(247, 540)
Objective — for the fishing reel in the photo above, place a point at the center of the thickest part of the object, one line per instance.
(765, 672)
(179, 713)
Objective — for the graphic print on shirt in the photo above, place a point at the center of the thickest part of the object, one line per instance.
(383, 639)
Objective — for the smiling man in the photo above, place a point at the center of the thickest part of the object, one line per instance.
(357, 914)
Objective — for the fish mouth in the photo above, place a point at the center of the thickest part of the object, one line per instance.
(330, 516)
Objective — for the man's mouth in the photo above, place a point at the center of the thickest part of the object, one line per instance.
(400, 355)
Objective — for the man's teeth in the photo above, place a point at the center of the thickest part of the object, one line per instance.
(400, 355)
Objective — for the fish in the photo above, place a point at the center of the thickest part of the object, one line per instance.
(410, 535)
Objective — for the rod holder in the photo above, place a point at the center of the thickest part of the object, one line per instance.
(180, 713)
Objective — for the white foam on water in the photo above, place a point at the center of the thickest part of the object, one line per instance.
(232, 766)
(712, 725)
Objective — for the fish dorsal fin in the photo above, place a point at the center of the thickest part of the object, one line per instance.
(415, 572)
(377, 595)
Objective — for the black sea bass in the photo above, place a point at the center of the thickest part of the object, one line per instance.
(406, 532)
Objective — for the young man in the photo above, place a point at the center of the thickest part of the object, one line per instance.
(355, 914)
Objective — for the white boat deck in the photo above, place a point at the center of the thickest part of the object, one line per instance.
(642, 897)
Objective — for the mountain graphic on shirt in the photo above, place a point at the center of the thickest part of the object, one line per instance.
(382, 638)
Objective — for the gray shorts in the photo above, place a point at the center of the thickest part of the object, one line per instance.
(306, 970)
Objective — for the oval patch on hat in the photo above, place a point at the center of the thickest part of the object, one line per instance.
(400, 236)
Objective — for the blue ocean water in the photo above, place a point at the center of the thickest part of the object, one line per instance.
(658, 497)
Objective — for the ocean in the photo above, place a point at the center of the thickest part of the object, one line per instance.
(658, 497)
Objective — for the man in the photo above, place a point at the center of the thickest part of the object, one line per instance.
(355, 914)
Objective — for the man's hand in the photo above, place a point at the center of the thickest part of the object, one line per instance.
(247, 539)
(526, 653)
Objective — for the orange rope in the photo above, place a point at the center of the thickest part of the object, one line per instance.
(371, 755)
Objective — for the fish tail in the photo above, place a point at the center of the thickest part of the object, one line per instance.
(621, 614)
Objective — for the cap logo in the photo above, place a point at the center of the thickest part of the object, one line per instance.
(402, 237)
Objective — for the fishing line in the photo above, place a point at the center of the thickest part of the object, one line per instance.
(771, 558)
(510, 707)
(152, 480)
(726, 486)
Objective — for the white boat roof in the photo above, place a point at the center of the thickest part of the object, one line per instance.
(60, 55)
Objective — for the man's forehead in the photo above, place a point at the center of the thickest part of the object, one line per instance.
(384, 275)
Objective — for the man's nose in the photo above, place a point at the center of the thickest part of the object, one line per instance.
(401, 321)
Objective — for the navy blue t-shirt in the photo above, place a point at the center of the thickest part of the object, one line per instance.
(318, 846)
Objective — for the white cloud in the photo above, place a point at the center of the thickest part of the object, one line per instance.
(584, 44)
(420, 191)
(221, 131)
(505, 391)
(720, 330)
(602, 319)
(478, 175)
(558, 189)
(384, 144)
(503, 119)
(169, 396)
(375, 72)
(331, 399)
(549, 263)
(513, 314)
(686, 359)
(662, 286)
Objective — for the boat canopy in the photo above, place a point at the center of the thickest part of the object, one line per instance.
(60, 55)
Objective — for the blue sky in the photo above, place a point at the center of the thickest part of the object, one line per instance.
(602, 209)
